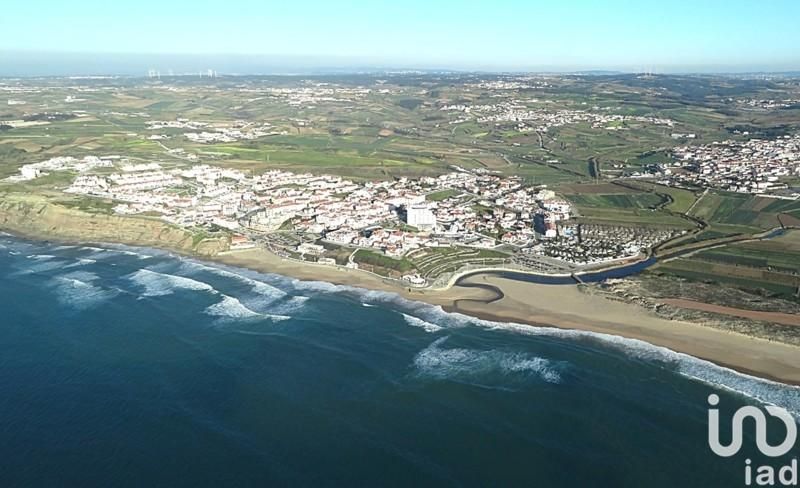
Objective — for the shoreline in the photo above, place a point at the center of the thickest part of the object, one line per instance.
(491, 297)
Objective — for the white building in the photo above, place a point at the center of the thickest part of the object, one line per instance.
(29, 172)
(420, 216)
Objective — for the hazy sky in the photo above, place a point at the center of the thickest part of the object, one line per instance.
(501, 34)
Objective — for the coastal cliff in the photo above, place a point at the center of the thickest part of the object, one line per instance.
(38, 218)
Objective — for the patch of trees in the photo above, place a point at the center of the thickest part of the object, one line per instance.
(48, 117)
(764, 132)
(410, 103)
(12, 155)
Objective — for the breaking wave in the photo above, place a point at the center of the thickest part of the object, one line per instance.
(76, 290)
(319, 286)
(417, 322)
(160, 284)
(231, 308)
(81, 292)
(41, 266)
(762, 390)
(41, 257)
(112, 251)
(484, 366)
(290, 305)
(259, 287)
(81, 262)
(264, 289)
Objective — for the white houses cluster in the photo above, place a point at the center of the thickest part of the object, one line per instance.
(754, 166)
(35, 170)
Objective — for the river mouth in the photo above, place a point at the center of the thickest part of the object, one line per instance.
(587, 277)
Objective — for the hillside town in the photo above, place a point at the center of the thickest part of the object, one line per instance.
(204, 133)
(464, 208)
(755, 166)
(525, 119)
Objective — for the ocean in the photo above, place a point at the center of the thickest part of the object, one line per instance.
(133, 367)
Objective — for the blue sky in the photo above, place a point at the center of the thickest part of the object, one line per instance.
(502, 34)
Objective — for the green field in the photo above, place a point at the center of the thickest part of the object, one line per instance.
(679, 200)
(630, 207)
(441, 195)
(745, 212)
(781, 284)
(771, 264)
(377, 262)
(781, 253)
(624, 201)
(432, 262)
(396, 128)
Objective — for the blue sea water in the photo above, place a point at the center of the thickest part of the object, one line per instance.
(132, 367)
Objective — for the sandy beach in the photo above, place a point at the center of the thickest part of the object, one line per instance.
(563, 306)
(493, 298)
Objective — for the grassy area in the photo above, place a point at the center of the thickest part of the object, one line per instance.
(765, 266)
(629, 202)
(385, 263)
(11, 158)
(781, 253)
(680, 200)
(441, 195)
(706, 235)
(744, 211)
(90, 205)
(752, 279)
(625, 201)
(432, 262)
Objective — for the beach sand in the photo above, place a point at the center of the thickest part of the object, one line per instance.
(545, 305)
(561, 306)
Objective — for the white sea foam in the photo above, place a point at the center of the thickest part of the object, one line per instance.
(231, 307)
(475, 365)
(290, 305)
(763, 390)
(269, 300)
(126, 252)
(760, 389)
(112, 251)
(417, 322)
(262, 288)
(81, 262)
(80, 294)
(319, 286)
(41, 266)
(432, 314)
(159, 284)
(697, 369)
(81, 275)
(41, 257)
